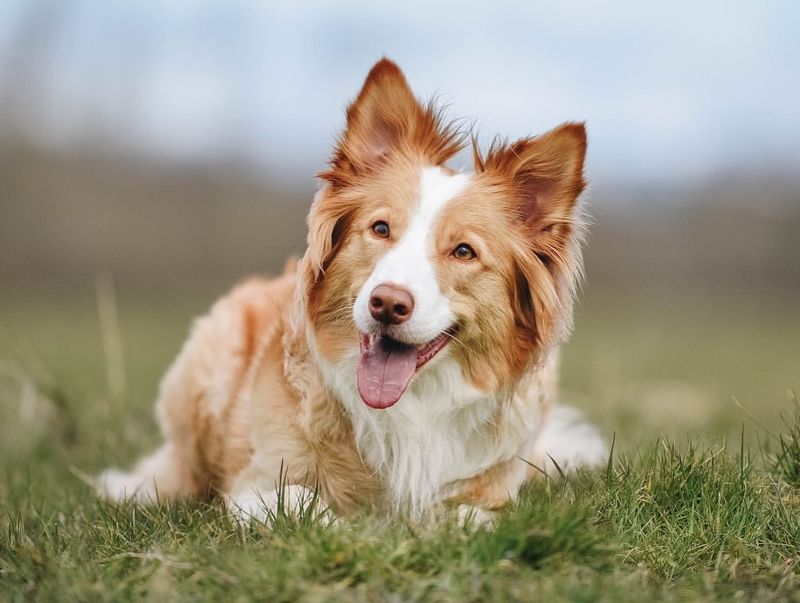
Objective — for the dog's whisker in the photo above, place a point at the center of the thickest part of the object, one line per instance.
(453, 337)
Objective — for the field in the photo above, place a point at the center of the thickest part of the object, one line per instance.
(698, 501)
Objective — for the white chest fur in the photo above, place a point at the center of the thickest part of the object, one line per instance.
(441, 430)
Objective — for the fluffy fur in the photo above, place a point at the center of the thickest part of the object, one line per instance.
(264, 393)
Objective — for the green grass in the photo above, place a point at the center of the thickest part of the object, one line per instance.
(687, 508)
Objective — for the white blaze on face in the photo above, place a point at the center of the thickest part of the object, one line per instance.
(410, 264)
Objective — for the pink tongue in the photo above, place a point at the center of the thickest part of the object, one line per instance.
(384, 372)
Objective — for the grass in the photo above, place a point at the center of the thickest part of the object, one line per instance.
(692, 505)
(787, 460)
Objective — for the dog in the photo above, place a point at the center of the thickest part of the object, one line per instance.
(408, 361)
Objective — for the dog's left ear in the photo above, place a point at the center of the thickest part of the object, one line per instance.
(386, 117)
(546, 174)
(544, 177)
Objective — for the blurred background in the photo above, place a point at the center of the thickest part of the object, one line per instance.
(154, 153)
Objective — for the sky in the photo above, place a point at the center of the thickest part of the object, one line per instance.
(670, 92)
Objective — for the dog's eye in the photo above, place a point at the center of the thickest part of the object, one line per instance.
(464, 252)
(381, 229)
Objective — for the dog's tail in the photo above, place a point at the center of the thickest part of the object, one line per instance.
(571, 441)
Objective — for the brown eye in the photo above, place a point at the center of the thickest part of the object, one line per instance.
(464, 252)
(381, 229)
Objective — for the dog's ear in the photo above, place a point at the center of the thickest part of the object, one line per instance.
(327, 222)
(386, 117)
(381, 115)
(544, 176)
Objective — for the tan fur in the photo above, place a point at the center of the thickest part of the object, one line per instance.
(245, 400)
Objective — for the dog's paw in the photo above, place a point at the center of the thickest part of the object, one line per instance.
(253, 505)
(471, 516)
(119, 486)
(265, 507)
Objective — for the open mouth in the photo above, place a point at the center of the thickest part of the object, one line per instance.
(387, 366)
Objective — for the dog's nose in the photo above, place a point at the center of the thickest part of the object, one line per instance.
(391, 304)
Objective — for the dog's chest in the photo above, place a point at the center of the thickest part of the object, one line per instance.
(442, 430)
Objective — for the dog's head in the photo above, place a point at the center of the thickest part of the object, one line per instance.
(410, 260)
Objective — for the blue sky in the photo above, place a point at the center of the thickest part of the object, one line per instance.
(671, 92)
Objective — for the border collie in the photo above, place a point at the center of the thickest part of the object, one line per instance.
(408, 361)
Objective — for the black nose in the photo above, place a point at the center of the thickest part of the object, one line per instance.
(391, 304)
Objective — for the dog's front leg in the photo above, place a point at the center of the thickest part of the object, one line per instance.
(478, 499)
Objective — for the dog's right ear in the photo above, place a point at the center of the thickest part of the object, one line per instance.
(386, 117)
